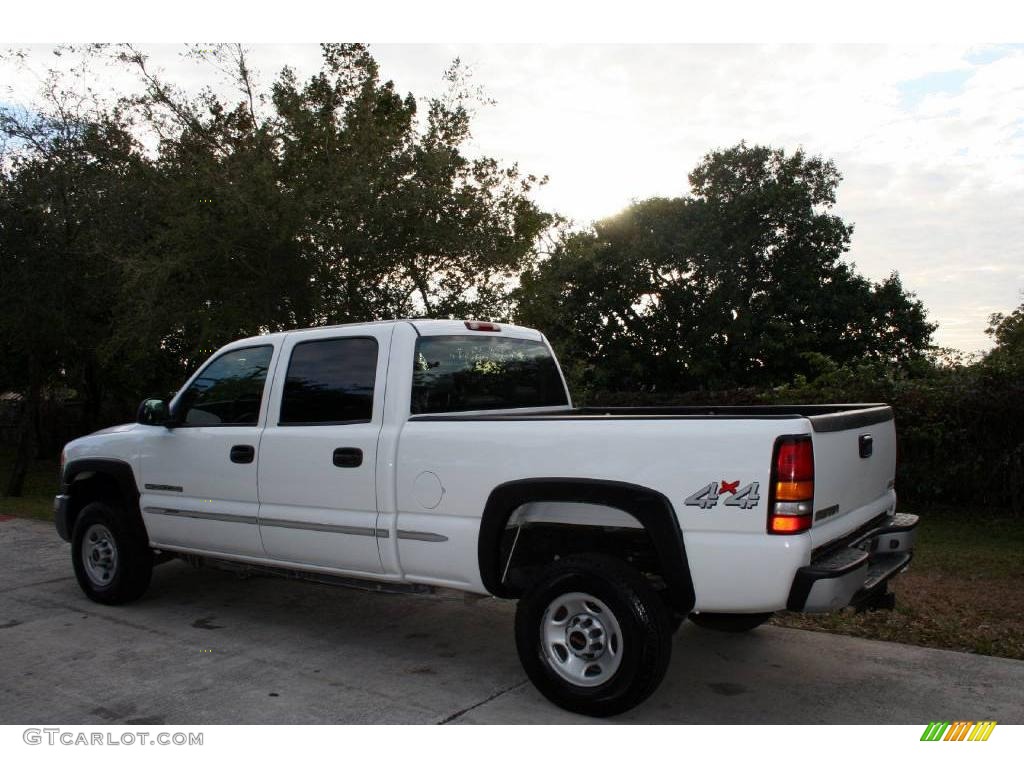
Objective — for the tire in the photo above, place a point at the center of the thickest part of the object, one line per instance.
(608, 665)
(112, 559)
(730, 622)
(676, 621)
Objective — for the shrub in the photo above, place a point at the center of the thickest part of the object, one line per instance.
(960, 427)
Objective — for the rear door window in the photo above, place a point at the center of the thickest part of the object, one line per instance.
(330, 381)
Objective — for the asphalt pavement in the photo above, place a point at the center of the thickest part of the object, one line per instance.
(205, 646)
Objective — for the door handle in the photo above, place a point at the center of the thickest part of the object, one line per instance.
(242, 454)
(866, 446)
(348, 457)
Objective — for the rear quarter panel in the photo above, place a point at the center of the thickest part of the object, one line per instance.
(732, 559)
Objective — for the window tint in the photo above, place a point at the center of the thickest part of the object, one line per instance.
(330, 381)
(476, 373)
(229, 390)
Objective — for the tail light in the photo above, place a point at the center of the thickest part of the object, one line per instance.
(791, 500)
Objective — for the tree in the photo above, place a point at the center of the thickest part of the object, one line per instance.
(1008, 333)
(736, 284)
(138, 235)
(402, 222)
(327, 201)
(65, 207)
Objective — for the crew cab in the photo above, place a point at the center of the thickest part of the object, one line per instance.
(444, 453)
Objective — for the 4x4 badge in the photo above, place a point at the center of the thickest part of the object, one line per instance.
(708, 496)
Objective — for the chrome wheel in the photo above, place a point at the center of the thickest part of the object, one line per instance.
(99, 554)
(581, 639)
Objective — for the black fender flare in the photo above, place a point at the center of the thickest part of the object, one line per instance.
(651, 509)
(120, 471)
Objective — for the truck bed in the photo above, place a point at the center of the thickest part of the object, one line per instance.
(823, 418)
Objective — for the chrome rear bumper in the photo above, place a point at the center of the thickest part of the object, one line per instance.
(857, 571)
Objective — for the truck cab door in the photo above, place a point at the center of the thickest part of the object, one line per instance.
(318, 453)
(198, 488)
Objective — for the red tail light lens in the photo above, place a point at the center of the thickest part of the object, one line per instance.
(794, 524)
(791, 501)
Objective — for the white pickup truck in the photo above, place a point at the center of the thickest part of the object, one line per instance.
(448, 454)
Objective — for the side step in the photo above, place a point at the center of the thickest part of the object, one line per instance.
(898, 534)
(255, 569)
(883, 567)
(830, 582)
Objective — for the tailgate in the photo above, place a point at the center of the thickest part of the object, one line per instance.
(854, 470)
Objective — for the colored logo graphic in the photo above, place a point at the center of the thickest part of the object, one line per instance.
(961, 730)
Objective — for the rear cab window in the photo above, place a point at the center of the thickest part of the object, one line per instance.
(480, 373)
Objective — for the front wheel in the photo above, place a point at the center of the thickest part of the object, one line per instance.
(113, 562)
(593, 636)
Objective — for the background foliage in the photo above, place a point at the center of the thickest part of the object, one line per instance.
(137, 236)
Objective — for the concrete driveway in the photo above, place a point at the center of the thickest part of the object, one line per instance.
(204, 646)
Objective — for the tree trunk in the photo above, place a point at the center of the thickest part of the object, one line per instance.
(28, 440)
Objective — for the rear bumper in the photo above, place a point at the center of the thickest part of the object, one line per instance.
(61, 507)
(856, 571)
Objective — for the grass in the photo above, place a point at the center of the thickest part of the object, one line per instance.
(964, 590)
(40, 488)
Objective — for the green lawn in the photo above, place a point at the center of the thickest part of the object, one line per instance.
(964, 589)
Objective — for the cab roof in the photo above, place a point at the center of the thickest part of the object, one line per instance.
(423, 327)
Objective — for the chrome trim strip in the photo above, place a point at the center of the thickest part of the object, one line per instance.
(218, 516)
(161, 487)
(421, 536)
(351, 530)
(821, 514)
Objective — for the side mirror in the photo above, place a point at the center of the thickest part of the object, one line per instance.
(154, 412)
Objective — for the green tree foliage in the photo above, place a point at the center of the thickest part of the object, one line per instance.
(740, 283)
(66, 205)
(1008, 333)
(138, 236)
(960, 427)
(330, 200)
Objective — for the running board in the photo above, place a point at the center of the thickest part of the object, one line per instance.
(351, 582)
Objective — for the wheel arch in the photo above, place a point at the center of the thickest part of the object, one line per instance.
(97, 479)
(649, 507)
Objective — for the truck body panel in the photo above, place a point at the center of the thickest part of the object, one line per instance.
(281, 491)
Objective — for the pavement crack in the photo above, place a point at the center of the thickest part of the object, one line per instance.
(39, 602)
(35, 584)
(492, 697)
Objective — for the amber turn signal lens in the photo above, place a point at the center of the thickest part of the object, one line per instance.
(794, 491)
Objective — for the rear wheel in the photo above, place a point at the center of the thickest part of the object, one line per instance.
(112, 559)
(730, 622)
(676, 621)
(593, 636)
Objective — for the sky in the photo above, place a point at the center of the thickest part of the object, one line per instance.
(929, 138)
